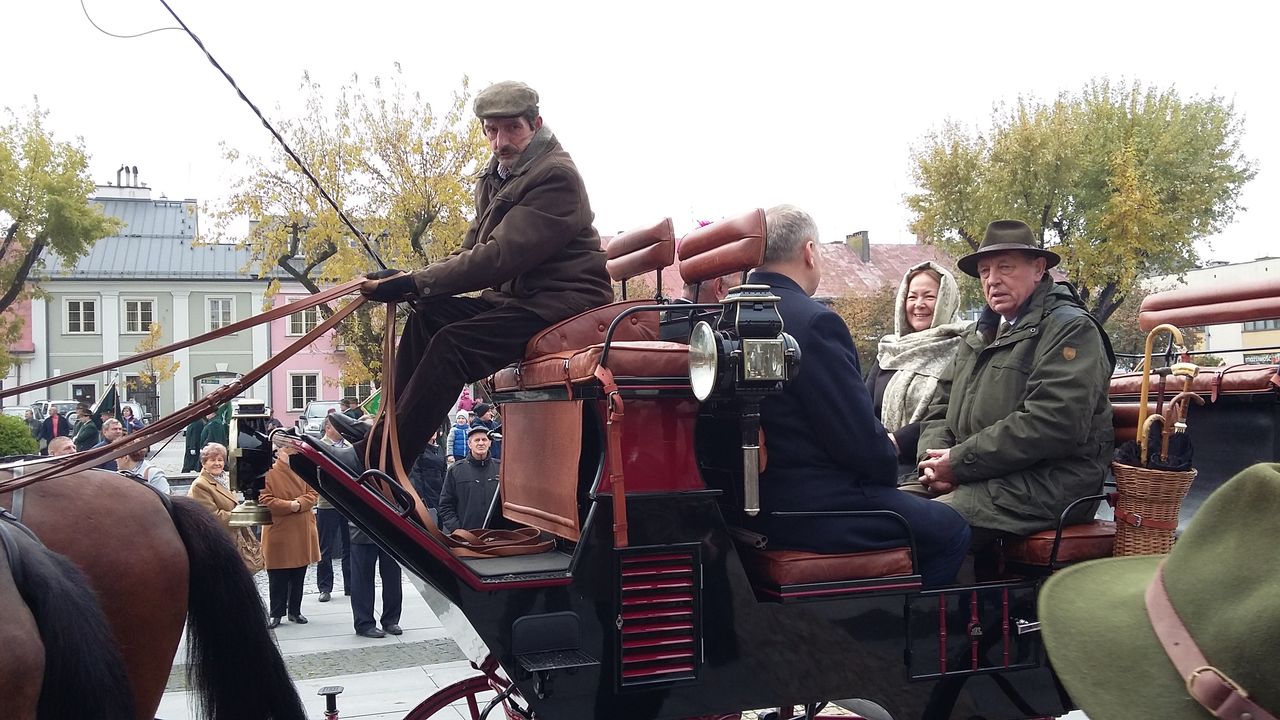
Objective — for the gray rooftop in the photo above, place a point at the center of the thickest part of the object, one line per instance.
(157, 242)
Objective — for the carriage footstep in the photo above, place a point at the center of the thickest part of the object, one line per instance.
(864, 708)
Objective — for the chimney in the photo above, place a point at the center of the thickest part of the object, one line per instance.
(860, 241)
(118, 171)
(135, 176)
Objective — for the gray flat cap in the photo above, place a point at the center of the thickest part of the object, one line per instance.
(508, 98)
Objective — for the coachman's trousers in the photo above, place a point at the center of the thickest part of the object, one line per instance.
(448, 342)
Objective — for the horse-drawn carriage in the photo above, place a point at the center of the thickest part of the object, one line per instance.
(613, 579)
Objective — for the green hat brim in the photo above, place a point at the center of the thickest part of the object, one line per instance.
(1099, 638)
(969, 263)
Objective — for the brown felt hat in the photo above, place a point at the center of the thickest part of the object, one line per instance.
(508, 98)
(1003, 236)
(1222, 580)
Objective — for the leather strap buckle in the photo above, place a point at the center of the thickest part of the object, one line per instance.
(1223, 677)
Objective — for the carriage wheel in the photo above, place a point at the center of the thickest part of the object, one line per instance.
(503, 705)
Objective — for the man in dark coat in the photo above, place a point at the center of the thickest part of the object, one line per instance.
(485, 415)
(469, 485)
(427, 475)
(191, 457)
(54, 425)
(1020, 425)
(365, 558)
(532, 249)
(846, 462)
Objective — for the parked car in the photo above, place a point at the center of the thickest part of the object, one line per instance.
(18, 411)
(312, 419)
(65, 408)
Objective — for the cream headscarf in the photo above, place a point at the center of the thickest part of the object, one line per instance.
(918, 358)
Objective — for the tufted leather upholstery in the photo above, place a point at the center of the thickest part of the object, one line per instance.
(795, 567)
(626, 359)
(1210, 383)
(1213, 305)
(731, 245)
(589, 328)
(641, 250)
(1086, 541)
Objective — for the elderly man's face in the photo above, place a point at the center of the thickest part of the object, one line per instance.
(508, 137)
(479, 445)
(112, 430)
(1008, 279)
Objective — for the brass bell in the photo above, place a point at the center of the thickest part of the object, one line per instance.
(248, 514)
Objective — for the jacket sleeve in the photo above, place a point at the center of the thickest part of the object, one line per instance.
(308, 499)
(448, 510)
(204, 496)
(540, 223)
(277, 505)
(935, 434)
(852, 436)
(1066, 383)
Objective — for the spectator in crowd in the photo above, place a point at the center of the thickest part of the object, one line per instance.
(486, 416)
(456, 448)
(61, 445)
(112, 431)
(911, 360)
(289, 544)
(136, 465)
(33, 425)
(87, 432)
(364, 556)
(53, 426)
(469, 485)
(215, 428)
(131, 424)
(210, 486)
(350, 408)
(335, 539)
(427, 475)
(465, 399)
(191, 460)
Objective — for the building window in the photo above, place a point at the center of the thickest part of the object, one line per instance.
(302, 390)
(358, 392)
(304, 321)
(139, 313)
(220, 314)
(81, 316)
(1256, 325)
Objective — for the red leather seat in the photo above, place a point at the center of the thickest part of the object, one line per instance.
(1086, 541)
(796, 567)
(626, 359)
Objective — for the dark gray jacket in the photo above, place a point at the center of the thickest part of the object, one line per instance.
(469, 487)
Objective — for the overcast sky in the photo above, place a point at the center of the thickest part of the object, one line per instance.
(690, 109)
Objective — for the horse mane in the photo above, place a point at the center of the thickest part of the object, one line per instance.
(83, 666)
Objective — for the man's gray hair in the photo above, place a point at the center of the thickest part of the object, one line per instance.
(787, 227)
(108, 424)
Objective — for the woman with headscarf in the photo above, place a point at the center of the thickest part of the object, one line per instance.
(910, 361)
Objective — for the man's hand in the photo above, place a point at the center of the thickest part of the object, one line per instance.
(388, 286)
(935, 472)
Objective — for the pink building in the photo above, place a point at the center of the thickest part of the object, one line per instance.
(313, 372)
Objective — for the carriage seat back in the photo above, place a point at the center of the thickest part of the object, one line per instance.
(735, 244)
(795, 574)
(630, 254)
(1213, 305)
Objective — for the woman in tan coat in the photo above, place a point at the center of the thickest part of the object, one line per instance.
(290, 543)
(209, 489)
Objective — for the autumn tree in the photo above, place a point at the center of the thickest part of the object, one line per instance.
(400, 171)
(1120, 180)
(154, 371)
(869, 317)
(44, 206)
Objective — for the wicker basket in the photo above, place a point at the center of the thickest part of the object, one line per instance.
(1147, 509)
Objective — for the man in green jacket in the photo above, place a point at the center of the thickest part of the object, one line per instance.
(1020, 425)
(532, 250)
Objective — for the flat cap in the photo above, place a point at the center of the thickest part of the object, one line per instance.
(477, 429)
(508, 98)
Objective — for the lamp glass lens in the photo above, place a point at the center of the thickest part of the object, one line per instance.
(702, 360)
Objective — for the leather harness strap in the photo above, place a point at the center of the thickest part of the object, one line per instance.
(1206, 684)
(617, 484)
(173, 423)
(1136, 520)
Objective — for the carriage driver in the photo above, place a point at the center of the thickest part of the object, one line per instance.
(847, 462)
(1020, 425)
(533, 251)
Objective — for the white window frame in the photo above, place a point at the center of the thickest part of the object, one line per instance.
(370, 387)
(314, 312)
(293, 407)
(66, 314)
(124, 313)
(208, 315)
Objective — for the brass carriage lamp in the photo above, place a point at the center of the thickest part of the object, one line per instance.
(744, 358)
(250, 454)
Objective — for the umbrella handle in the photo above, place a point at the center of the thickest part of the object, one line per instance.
(1144, 437)
(1176, 334)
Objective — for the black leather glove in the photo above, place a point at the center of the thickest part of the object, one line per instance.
(388, 286)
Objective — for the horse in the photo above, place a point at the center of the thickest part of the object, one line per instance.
(58, 649)
(156, 562)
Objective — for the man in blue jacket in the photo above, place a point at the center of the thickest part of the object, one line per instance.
(847, 461)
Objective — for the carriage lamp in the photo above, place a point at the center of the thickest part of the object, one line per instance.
(250, 454)
(743, 359)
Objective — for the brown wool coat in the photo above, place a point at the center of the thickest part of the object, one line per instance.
(291, 540)
(209, 492)
(532, 242)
